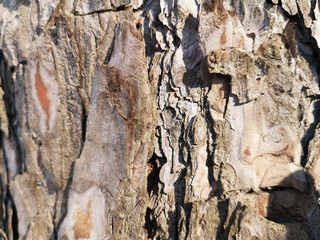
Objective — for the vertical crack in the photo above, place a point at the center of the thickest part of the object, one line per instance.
(310, 133)
(8, 87)
(14, 220)
(7, 83)
(153, 177)
(153, 181)
(84, 127)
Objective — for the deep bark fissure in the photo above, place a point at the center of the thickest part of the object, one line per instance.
(8, 87)
(14, 225)
(309, 134)
(84, 128)
(117, 9)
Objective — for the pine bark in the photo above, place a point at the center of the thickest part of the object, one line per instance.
(169, 119)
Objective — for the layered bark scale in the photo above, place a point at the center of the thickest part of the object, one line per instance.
(161, 119)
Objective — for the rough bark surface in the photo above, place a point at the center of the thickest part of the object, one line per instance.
(167, 119)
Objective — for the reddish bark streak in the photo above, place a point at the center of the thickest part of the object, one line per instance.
(42, 92)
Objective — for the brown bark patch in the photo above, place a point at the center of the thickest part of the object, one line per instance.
(83, 222)
(42, 92)
(289, 38)
(223, 38)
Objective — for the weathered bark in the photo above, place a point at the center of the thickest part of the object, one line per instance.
(132, 119)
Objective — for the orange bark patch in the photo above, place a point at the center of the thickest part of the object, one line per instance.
(247, 152)
(83, 222)
(42, 92)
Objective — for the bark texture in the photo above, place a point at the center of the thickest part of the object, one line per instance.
(167, 119)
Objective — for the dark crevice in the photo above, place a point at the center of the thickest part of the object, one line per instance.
(172, 222)
(187, 209)
(110, 50)
(227, 96)
(84, 128)
(55, 231)
(115, 9)
(15, 221)
(303, 37)
(210, 148)
(274, 189)
(153, 177)
(8, 87)
(122, 8)
(313, 97)
(313, 6)
(223, 213)
(38, 28)
(150, 223)
(220, 188)
(310, 134)
(51, 185)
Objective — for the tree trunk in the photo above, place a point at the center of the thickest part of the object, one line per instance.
(132, 119)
